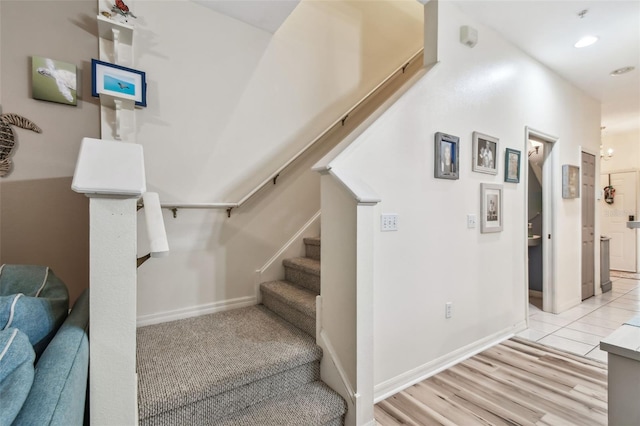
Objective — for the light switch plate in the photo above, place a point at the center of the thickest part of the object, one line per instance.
(472, 220)
(389, 222)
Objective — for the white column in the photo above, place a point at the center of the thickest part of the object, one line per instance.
(112, 366)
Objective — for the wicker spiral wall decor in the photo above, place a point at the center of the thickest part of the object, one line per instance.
(8, 138)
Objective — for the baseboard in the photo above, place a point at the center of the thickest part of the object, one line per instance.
(535, 293)
(411, 377)
(194, 311)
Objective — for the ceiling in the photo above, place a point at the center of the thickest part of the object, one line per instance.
(547, 31)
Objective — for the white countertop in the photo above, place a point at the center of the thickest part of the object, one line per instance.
(625, 341)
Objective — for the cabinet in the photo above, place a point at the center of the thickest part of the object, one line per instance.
(605, 280)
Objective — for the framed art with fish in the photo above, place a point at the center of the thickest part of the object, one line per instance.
(53, 81)
(118, 82)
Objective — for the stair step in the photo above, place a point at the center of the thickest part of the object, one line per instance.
(304, 272)
(197, 370)
(311, 405)
(293, 303)
(312, 247)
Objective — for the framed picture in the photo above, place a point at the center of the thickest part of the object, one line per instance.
(54, 81)
(119, 82)
(446, 156)
(490, 207)
(570, 181)
(485, 154)
(512, 165)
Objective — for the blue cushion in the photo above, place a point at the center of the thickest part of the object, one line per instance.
(16, 373)
(33, 300)
(59, 388)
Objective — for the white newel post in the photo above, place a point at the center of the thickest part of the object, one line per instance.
(112, 361)
(112, 175)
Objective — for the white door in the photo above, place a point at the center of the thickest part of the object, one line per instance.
(614, 217)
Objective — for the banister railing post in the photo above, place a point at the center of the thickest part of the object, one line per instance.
(111, 174)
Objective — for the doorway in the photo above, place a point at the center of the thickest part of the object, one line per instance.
(615, 211)
(540, 177)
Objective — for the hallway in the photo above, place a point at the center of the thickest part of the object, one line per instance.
(580, 329)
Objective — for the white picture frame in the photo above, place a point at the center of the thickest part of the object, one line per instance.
(485, 153)
(491, 201)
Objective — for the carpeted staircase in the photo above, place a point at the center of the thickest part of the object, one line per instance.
(251, 366)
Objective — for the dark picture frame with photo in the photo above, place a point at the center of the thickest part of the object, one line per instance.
(512, 165)
(485, 153)
(118, 82)
(447, 156)
(491, 207)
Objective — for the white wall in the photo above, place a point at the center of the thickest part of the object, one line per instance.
(43, 221)
(626, 151)
(229, 103)
(495, 89)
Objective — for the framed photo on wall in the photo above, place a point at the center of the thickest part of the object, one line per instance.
(446, 156)
(54, 81)
(490, 207)
(512, 165)
(119, 82)
(570, 181)
(485, 154)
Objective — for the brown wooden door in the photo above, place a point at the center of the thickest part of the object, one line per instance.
(587, 196)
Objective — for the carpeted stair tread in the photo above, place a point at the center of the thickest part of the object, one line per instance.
(295, 304)
(312, 247)
(314, 404)
(304, 264)
(292, 295)
(312, 241)
(187, 361)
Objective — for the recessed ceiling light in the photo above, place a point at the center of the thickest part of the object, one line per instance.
(586, 41)
(622, 70)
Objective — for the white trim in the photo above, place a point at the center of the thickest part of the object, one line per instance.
(8, 345)
(44, 282)
(286, 251)
(13, 310)
(331, 353)
(396, 384)
(194, 311)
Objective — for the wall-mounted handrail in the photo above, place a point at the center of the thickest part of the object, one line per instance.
(274, 176)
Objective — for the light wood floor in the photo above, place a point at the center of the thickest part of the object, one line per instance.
(517, 382)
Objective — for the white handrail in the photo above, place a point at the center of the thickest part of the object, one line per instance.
(274, 176)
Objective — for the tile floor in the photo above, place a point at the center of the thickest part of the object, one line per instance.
(580, 329)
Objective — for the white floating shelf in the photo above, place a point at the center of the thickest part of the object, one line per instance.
(116, 31)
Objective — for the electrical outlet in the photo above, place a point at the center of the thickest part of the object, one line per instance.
(448, 310)
(389, 222)
(471, 221)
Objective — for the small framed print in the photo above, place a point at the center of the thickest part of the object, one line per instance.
(119, 82)
(485, 154)
(446, 156)
(512, 165)
(54, 81)
(490, 208)
(570, 181)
